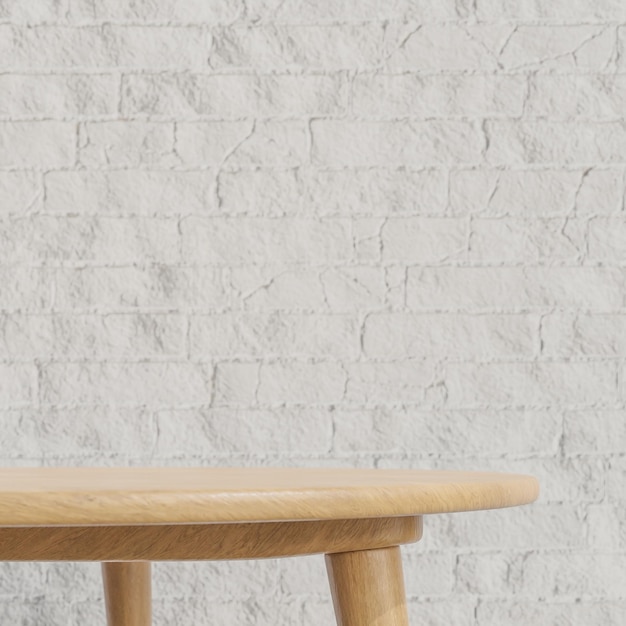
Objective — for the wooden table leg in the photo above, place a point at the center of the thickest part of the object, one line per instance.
(368, 587)
(127, 593)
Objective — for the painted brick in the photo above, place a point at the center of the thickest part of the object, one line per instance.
(399, 143)
(18, 386)
(107, 45)
(67, 431)
(581, 47)
(447, 95)
(494, 612)
(514, 287)
(271, 288)
(447, 433)
(259, 241)
(127, 336)
(601, 431)
(234, 96)
(292, 383)
(442, 47)
(586, 96)
(264, 191)
(615, 474)
(520, 193)
(515, 240)
(227, 431)
(20, 192)
(428, 574)
(607, 240)
(236, 384)
(58, 96)
(459, 610)
(116, 336)
(553, 526)
(570, 334)
(601, 192)
(126, 144)
(274, 335)
(586, 575)
(216, 11)
(488, 574)
(237, 144)
(279, 47)
(558, 10)
(455, 336)
(16, 11)
(355, 10)
(524, 384)
(367, 239)
(604, 526)
(26, 288)
(125, 384)
(56, 240)
(130, 192)
(424, 240)
(37, 144)
(543, 142)
(375, 191)
(393, 383)
(132, 288)
(258, 578)
(354, 288)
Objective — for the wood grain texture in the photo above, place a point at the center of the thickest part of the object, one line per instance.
(127, 593)
(368, 587)
(84, 496)
(204, 541)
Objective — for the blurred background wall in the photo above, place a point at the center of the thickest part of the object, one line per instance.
(364, 233)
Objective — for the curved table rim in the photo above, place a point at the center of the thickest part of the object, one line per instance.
(176, 495)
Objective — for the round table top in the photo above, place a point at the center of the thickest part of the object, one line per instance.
(175, 495)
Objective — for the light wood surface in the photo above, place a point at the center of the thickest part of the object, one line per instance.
(204, 541)
(368, 588)
(86, 496)
(127, 593)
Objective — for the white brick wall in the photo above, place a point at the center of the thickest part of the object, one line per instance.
(321, 232)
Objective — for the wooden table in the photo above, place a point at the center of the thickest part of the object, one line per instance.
(129, 517)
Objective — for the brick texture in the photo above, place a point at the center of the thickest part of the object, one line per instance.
(335, 232)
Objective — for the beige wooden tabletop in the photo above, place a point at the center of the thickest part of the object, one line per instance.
(111, 496)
